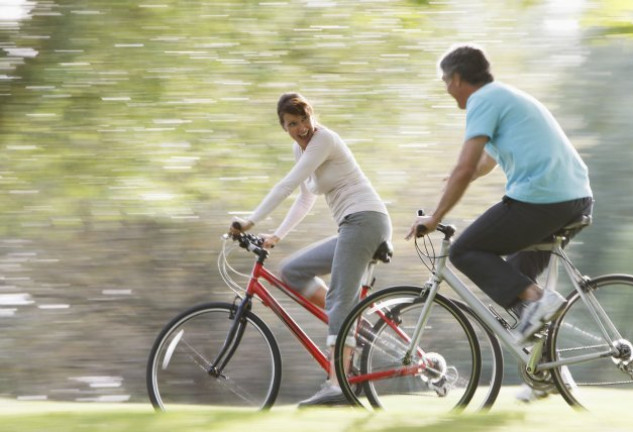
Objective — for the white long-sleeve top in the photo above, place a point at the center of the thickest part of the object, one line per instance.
(326, 167)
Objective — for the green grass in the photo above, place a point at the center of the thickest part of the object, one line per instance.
(507, 415)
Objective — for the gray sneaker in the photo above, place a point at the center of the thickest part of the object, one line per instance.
(329, 395)
(537, 313)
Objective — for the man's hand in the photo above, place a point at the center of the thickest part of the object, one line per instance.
(429, 223)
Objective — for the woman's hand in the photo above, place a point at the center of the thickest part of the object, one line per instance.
(270, 240)
(240, 225)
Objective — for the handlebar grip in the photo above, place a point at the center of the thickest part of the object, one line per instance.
(236, 225)
(420, 230)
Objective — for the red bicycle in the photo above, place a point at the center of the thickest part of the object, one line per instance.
(223, 354)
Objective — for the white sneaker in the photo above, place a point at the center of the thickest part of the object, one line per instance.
(527, 394)
(537, 313)
(329, 395)
(568, 380)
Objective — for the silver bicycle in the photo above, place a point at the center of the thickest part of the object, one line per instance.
(413, 352)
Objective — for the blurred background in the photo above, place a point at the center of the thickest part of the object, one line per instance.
(132, 131)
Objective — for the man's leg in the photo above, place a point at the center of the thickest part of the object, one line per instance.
(505, 229)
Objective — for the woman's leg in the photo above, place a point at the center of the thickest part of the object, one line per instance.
(360, 234)
(302, 270)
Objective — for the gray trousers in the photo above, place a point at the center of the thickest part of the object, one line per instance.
(344, 256)
(503, 230)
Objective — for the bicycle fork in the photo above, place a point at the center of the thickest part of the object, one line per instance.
(440, 385)
(431, 289)
(422, 320)
(233, 338)
(433, 365)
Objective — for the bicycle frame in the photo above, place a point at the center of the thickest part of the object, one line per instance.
(256, 289)
(530, 358)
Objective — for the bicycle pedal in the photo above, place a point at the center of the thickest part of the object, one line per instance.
(440, 387)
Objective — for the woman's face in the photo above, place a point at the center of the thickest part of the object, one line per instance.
(300, 128)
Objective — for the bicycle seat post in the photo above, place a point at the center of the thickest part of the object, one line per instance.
(368, 280)
(552, 266)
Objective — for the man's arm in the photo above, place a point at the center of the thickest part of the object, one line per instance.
(485, 165)
(461, 176)
(472, 163)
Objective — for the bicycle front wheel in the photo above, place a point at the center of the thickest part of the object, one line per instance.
(492, 362)
(597, 384)
(178, 369)
(438, 374)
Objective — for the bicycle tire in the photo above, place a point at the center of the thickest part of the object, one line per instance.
(491, 377)
(443, 378)
(594, 385)
(177, 369)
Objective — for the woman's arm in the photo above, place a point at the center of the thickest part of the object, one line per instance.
(315, 154)
(299, 209)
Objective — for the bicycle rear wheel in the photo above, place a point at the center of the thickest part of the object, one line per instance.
(178, 365)
(443, 371)
(598, 384)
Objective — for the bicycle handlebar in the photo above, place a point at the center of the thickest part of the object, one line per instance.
(447, 230)
(250, 242)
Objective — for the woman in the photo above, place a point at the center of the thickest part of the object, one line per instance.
(325, 166)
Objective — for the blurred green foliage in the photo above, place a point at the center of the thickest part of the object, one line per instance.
(135, 109)
(610, 17)
(114, 110)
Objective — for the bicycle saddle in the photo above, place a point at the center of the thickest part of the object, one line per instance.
(384, 252)
(577, 224)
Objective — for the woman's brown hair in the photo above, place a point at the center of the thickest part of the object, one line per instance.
(295, 104)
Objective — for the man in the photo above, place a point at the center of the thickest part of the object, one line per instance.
(547, 188)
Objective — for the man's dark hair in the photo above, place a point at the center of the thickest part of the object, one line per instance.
(469, 62)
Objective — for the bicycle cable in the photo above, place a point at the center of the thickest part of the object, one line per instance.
(427, 256)
(226, 269)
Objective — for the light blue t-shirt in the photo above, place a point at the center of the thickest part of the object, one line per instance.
(540, 164)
